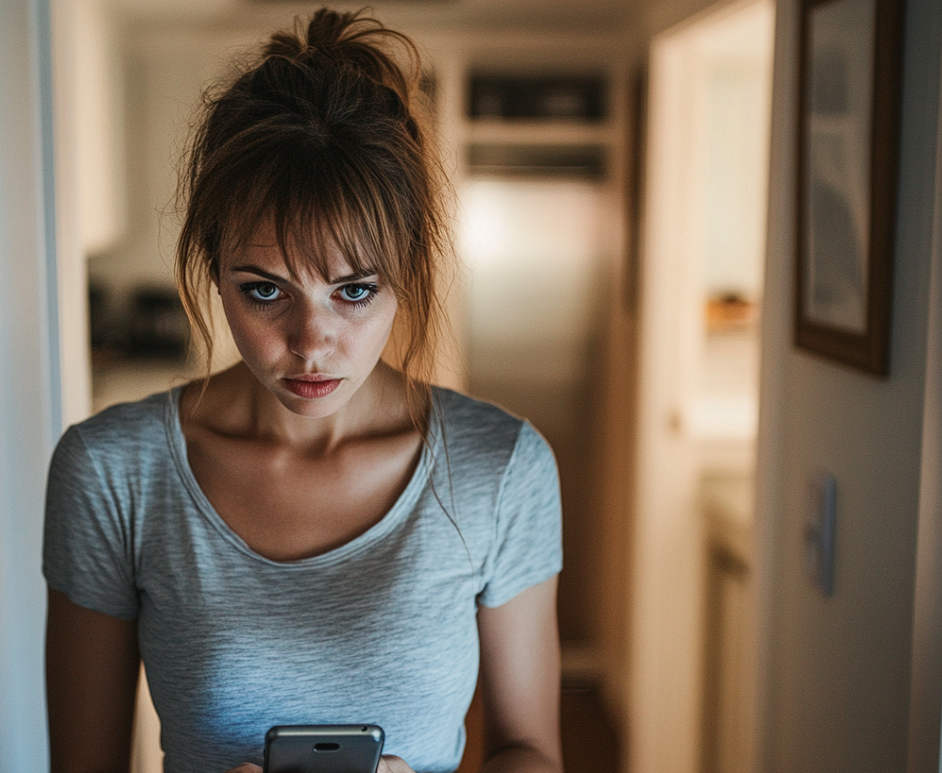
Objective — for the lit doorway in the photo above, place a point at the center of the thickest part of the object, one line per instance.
(703, 251)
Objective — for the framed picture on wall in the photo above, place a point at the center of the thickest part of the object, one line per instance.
(847, 168)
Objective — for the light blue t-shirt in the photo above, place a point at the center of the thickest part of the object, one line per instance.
(381, 630)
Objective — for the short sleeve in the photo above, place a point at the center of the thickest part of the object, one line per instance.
(528, 542)
(88, 546)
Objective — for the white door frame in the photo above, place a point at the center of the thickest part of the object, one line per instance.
(30, 393)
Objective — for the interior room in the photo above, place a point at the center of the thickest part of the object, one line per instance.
(625, 179)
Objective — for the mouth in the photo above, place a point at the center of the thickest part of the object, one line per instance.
(310, 386)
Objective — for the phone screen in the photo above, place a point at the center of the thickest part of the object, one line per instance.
(323, 748)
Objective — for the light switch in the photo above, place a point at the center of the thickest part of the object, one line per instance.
(819, 530)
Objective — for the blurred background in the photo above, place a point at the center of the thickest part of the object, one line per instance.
(578, 137)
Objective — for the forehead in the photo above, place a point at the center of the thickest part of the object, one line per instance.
(264, 249)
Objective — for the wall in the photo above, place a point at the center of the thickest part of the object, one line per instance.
(86, 202)
(96, 88)
(835, 672)
(29, 414)
(925, 712)
(162, 77)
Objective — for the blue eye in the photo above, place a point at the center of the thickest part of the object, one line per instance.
(261, 292)
(361, 292)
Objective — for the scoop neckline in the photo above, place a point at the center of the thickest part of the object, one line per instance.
(390, 520)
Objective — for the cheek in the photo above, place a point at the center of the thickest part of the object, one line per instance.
(249, 337)
(380, 328)
(365, 342)
(234, 320)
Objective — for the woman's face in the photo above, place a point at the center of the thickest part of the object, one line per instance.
(311, 342)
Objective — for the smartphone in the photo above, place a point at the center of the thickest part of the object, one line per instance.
(323, 748)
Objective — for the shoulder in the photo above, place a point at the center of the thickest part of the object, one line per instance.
(461, 416)
(502, 485)
(123, 416)
(485, 430)
(121, 432)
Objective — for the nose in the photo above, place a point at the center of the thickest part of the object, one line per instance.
(312, 332)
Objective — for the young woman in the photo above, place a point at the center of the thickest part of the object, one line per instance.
(315, 535)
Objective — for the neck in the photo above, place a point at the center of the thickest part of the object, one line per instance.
(236, 403)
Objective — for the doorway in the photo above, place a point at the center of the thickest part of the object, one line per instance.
(703, 253)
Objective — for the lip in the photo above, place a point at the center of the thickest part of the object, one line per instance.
(311, 386)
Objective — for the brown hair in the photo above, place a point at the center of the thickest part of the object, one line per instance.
(325, 134)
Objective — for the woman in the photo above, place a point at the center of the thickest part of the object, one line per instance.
(314, 535)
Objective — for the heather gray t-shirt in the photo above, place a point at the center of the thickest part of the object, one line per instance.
(381, 630)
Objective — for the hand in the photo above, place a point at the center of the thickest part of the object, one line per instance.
(390, 764)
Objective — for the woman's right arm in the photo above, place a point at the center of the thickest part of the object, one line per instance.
(92, 667)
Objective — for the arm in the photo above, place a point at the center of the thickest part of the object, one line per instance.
(520, 676)
(519, 683)
(92, 667)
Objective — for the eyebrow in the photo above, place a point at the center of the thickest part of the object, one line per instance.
(256, 270)
(354, 277)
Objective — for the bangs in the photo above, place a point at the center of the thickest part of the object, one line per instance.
(319, 201)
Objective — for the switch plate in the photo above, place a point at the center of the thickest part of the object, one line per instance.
(819, 530)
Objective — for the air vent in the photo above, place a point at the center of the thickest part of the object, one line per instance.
(582, 161)
(547, 97)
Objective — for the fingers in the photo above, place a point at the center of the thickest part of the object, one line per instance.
(388, 764)
(391, 764)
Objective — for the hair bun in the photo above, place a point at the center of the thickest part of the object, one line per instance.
(351, 40)
(327, 28)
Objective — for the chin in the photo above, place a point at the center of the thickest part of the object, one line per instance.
(312, 407)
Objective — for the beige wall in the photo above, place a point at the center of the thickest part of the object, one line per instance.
(835, 673)
(659, 15)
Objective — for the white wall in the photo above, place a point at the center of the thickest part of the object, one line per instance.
(29, 417)
(835, 673)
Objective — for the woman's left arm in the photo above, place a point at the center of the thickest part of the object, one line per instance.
(519, 682)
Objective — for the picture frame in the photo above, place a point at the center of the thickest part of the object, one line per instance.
(849, 101)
